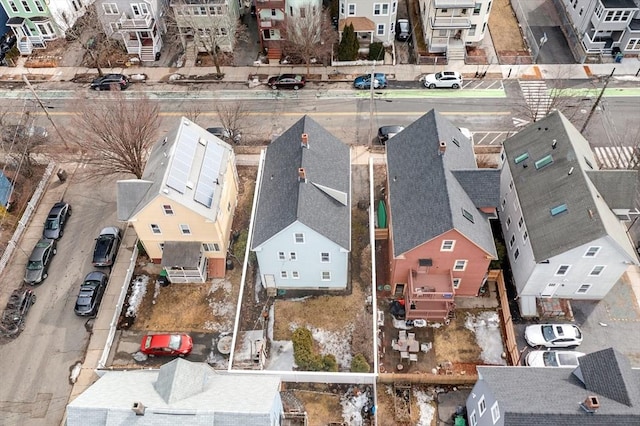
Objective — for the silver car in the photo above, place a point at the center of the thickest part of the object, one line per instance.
(38, 263)
(553, 358)
(553, 335)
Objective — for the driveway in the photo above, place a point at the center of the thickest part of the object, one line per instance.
(543, 18)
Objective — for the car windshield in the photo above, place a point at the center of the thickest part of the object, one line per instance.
(438, 76)
(51, 224)
(568, 359)
(547, 333)
(550, 359)
(147, 342)
(34, 265)
(174, 342)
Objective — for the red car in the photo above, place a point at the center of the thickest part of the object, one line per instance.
(166, 344)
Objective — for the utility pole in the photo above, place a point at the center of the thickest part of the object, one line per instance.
(595, 104)
(44, 108)
(372, 83)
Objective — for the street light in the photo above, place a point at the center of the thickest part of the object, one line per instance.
(543, 40)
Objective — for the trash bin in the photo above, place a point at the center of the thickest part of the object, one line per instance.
(62, 175)
(163, 280)
(619, 57)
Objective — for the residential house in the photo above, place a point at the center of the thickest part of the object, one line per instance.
(302, 224)
(179, 393)
(602, 390)
(563, 237)
(138, 25)
(34, 22)
(271, 16)
(439, 205)
(182, 208)
(603, 26)
(204, 23)
(450, 25)
(372, 20)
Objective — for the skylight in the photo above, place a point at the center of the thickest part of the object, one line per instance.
(520, 158)
(558, 209)
(544, 161)
(467, 216)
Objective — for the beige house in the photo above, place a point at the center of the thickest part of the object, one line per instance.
(182, 208)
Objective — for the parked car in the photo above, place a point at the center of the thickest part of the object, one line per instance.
(387, 132)
(225, 134)
(553, 335)
(56, 220)
(466, 133)
(38, 263)
(90, 294)
(403, 30)
(552, 358)
(106, 248)
(24, 132)
(364, 81)
(444, 79)
(166, 344)
(287, 81)
(110, 82)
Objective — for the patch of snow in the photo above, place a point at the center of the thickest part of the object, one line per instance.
(435, 324)
(486, 327)
(221, 307)
(281, 356)
(75, 372)
(156, 292)
(271, 320)
(216, 359)
(336, 343)
(427, 409)
(352, 408)
(401, 324)
(138, 290)
(257, 287)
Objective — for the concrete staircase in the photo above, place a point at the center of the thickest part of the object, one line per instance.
(190, 54)
(147, 54)
(456, 52)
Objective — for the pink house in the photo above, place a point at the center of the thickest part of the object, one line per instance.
(440, 204)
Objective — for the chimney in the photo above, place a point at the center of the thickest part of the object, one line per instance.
(138, 408)
(305, 140)
(592, 403)
(442, 148)
(302, 175)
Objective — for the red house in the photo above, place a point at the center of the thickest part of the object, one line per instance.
(440, 204)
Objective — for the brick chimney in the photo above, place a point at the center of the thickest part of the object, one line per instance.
(302, 175)
(592, 402)
(305, 140)
(442, 148)
(138, 408)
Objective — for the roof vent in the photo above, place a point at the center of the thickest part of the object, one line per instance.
(570, 171)
(138, 408)
(554, 144)
(189, 184)
(305, 140)
(302, 175)
(202, 142)
(442, 148)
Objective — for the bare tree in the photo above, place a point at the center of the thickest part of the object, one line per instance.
(309, 35)
(20, 141)
(234, 117)
(116, 135)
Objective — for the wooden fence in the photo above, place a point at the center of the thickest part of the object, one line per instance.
(513, 354)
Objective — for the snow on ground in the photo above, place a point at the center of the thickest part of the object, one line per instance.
(427, 409)
(281, 356)
(138, 290)
(486, 327)
(215, 358)
(352, 408)
(221, 308)
(156, 292)
(336, 343)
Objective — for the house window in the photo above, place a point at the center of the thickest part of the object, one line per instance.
(184, 228)
(495, 412)
(352, 9)
(472, 31)
(508, 221)
(326, 276)
(295, 275)
(482, 406)
(114, 27)
(447, 245)
(210, 246)
(381, 9)
(488, 7)
(597, 270)
(520, 222)
(456, 283)
(516, 254)
(281, 255)
(473, 419)
(273, 12)
(25, 5)
(341, 8)
(283, 275)
(110, 8)
(504, 203)
(161, 245)
(467, 215)
(511, 186)
(460, 265)
(13, 6)
(394, 7)
(380, 30)
(298, 238)
(562, 270)
(303, 12)
(324, 257)
(155, 228)
(39, 5)
(583, 288)
(167, 209)
(592, 251)
(293, 255)
(632, 44)
(476, 8)
(525, 236)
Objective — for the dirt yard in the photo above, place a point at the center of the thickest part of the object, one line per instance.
(456, 344)
(505, 31)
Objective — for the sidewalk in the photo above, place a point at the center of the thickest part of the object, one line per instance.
(628, 68)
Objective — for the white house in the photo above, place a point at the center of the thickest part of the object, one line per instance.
(372, 20)
(302, 215)
(563, 237)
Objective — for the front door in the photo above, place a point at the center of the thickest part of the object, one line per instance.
(549, 290)
(399, 290)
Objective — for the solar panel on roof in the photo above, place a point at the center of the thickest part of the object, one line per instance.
(209, 172)
(182, 160)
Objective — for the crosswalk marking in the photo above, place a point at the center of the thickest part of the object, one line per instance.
(536, 95)
(616, 157)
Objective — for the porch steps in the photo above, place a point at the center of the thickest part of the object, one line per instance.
(190, 54)
(147, 54)
(456, 53)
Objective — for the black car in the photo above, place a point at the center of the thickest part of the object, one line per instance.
(38, 263)
(403, 30)
(56, 220)
(90, 295)
(225, 134)
(287, 81)
(387, 132)
(110, 82)
(106, 248)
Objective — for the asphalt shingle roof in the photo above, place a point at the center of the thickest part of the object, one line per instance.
(323, 202)
(428, 191)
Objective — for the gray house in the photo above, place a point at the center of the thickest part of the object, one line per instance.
(602, 390)
(559, 215)
(302, 224)
(179, 393)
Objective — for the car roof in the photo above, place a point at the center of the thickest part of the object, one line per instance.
(159, 340)
(290, 75)
(110, 230)
(37, 253)
(391, 129)
(94, 276)
(57, 207)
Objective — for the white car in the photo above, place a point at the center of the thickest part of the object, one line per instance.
(553, 335)
(446, 79)
(553, 358)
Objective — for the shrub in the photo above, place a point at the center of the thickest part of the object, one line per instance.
(349, 45)
(329, 363)
(240, 245)
(376, 51)
(359, 364)
(305, 356)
